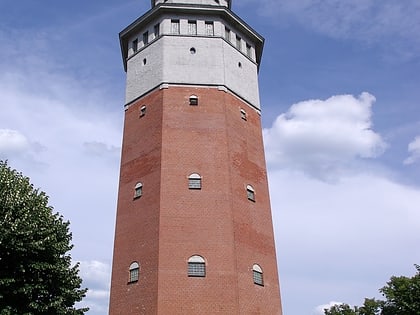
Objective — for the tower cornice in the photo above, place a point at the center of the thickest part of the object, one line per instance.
(227, 3)
(205, 10)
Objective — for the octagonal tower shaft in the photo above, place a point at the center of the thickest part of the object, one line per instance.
(194, 233)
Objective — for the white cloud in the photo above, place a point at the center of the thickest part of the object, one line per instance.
(414, 150)
(320, 136)
(319, 310)
(12, 142)
(96, 277)
(339, 241)
(344, 241)
(95, 271)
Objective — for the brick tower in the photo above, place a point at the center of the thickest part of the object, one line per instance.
(194, 232)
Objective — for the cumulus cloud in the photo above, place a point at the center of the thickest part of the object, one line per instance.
(414, 151)
(12, 142)
(321, 136)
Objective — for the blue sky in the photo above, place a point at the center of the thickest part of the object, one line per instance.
(339, 85)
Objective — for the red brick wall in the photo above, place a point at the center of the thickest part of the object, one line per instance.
(137, 224)
(170, 223)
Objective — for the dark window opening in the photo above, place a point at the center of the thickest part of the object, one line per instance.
(135, 45)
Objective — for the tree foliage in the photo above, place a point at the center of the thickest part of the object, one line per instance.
(402, 297)
(36, 272)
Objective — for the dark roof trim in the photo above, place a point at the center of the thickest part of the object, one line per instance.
(153, 2)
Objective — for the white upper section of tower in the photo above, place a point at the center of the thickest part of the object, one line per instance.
(223, 3)
(194, 43)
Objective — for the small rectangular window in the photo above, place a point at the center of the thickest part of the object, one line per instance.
(175, 27)
(134, 275)
(194, 183)
(238, 42)
(196, 269)
(156, 30)
(192, 27)
(193, 100)
(250, 193)
(258, 278)
(135, 45)
(138, 190)
(145, 38)
(209, 28)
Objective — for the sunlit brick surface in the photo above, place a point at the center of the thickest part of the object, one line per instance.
(170, 223)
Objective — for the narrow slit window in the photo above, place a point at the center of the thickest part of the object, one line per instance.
(248, 50)
(257, 275)
(227, 34)
(134, 271)
(250, 193)
(238, 42)
(138, 190)
(194, 181)
(209, 28)
(135, 45)
(196, 266)
(175, 27)
(192, 27)
(145, 38)
(156, 30)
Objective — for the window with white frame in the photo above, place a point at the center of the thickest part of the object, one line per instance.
(138, 190)
(257, 275)
(196, 266)
(134, 271)
(174, 26)
(250, 193)
(194, 181)
(209, 28)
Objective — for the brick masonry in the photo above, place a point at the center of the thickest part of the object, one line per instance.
(171, 223)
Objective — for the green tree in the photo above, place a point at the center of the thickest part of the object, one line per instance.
(402, 295)
(36, 272)
(370, 307)
(341, 309)
(402, 298)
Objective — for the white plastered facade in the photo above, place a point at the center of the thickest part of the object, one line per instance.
(187, 59)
